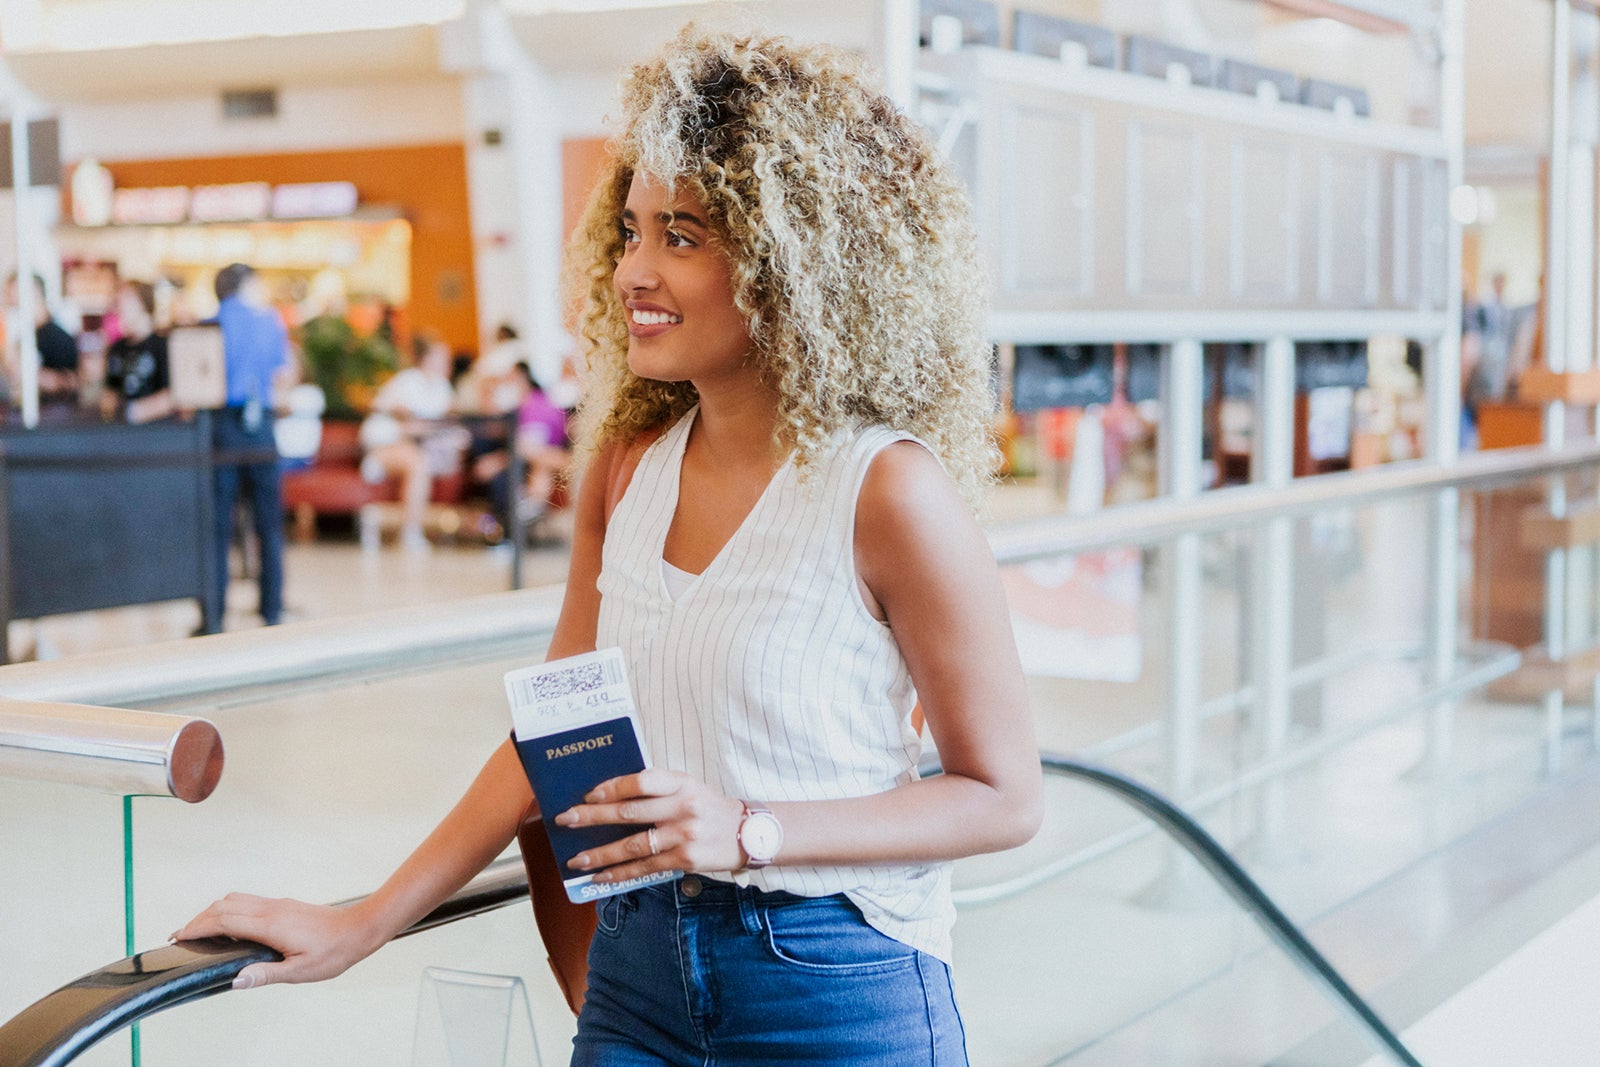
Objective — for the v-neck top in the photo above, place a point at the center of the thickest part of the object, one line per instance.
(676, 580)
(766, 676)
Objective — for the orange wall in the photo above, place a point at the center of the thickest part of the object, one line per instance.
(427, 182)
(581, 161)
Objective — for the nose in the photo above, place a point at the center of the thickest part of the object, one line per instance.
(636, 271)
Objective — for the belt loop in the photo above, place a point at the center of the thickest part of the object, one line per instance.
(749, 911)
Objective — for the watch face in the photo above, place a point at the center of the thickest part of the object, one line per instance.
(761, 836)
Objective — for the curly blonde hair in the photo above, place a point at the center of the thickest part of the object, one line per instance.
(854, 262)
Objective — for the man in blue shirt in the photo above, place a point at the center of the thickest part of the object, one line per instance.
(255, 348)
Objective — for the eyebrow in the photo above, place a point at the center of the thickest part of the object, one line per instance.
(669, 217)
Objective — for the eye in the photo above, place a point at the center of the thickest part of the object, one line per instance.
(679, 240)
(627, 233)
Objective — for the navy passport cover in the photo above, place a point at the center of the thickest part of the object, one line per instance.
(562, 768)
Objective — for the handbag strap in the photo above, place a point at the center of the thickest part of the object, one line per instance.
(564, 927)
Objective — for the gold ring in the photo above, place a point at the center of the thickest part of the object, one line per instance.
(655, 847)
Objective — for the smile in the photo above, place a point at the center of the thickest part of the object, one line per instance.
(655, 318)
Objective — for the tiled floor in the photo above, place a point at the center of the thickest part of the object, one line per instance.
(323, 579)
(332, 576)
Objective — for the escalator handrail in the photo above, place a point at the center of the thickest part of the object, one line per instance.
(55, 1029)
(1241, 887)
(60, 1026)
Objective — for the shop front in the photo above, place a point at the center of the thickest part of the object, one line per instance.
(381, 236)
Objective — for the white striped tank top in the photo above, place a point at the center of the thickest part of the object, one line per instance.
(768, 678)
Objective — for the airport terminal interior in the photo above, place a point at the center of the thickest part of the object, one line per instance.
(1293, 306)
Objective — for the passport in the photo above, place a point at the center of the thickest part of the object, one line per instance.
(575, 727)
(562, 768)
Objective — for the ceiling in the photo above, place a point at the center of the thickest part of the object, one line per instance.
(1507, 55)
(611, 41)
(209, 66)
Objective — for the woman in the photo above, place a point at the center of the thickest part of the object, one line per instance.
(779, 299)
(136, 362)
(545, 448)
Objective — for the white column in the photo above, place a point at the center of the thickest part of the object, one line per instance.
(1556, 257)
(895, 49)
(1183, 399)
(21, 109)
(1555, 357)
(1272, 605)
(1442, 377)
(1442, 355)
(514, 187)
(1182, 406)
(1273, 461)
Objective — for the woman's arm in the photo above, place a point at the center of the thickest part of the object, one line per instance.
(319, 941)
(923, 558)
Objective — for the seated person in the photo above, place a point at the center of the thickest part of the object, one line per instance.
(544, 448)
(400, 442)
(492, 385)
(136, 362)
(298, 430)
(58, 352)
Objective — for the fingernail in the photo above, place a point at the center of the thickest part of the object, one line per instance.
(581, 860)
(567, 818)
(244, 980)
(173, 940)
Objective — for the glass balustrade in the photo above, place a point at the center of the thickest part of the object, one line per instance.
(1279, 677)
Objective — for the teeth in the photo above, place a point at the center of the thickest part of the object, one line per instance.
(654, 318)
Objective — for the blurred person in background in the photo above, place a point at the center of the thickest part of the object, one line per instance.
(400, 440)
(136, 362)
(492, 384)
(58, 352)
(1490, 323)
(256, 351)
(543, 445)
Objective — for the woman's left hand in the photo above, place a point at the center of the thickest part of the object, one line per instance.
(691, 826)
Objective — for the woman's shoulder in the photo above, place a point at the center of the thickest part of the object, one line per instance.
(913, 526)
(903, 469)
(906, 493)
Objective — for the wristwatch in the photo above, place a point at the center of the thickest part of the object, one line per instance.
(760, 835)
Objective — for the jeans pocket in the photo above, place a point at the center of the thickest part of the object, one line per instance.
(613, 913)
(829, 936)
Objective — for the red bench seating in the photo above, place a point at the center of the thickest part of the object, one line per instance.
(333, 485)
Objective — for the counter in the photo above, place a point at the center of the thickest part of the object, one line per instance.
(96, 514)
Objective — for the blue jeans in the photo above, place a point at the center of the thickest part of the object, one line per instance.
(261, 486)
(699, 972)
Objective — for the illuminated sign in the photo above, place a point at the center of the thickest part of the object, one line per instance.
(150, 207)
(235, 202)
(238, 202)
(313, 200)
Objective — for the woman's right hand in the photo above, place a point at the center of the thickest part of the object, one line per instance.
(317, 941)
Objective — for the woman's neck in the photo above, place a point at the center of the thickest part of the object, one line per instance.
(737, 419)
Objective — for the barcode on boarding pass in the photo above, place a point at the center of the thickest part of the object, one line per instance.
(565, 692)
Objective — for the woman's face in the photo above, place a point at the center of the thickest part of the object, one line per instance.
(676, 283)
